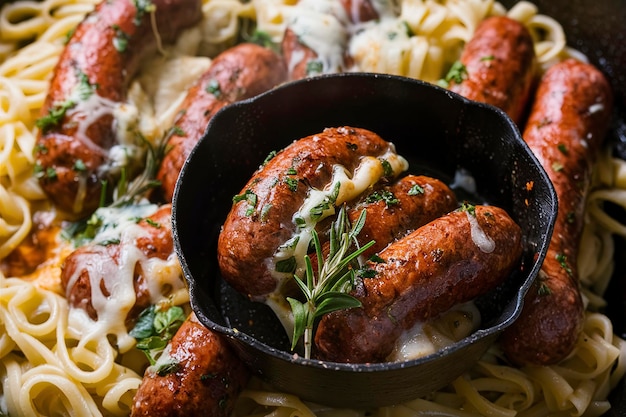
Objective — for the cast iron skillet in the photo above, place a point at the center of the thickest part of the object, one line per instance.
(439, 132)
(598, 28)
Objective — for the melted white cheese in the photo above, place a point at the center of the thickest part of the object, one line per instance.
(484, 242)
(117, 276)
(426, 338)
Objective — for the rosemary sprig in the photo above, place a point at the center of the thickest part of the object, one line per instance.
(328, 291)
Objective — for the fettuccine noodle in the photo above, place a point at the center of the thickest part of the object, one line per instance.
(52, 363)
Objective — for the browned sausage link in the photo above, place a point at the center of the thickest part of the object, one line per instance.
(567, 125)
(360, 11)
(397, 209)
(206, 379)
(500, 65)
(252, 232)
(298, 57)
(441, 264)
(155, 241)
(238, 73)
(89, 80)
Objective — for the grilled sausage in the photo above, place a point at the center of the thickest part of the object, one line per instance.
(304, 60)
(205, 381)
(89, 264)
(567, 125)
(261, 218)
(499, 62)
(397, 209)
(77, 129)
(448, 261)
(238, 73)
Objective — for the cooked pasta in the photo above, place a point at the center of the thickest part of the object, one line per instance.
(54, 360)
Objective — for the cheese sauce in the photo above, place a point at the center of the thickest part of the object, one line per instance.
(120, 225)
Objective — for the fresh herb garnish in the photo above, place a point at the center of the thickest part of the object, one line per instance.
(248, 196)
(213, 87)
(457, 73)
(155, 327)
(327, 291)
(416, 190)
(468, 207)
(383, 195)
(143, 7)
(562, 259)
(387, 168)
(314, 67)
(120, 41)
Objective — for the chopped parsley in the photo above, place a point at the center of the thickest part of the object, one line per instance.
(292, 183)
(416, 190)
(314, 67)
(120, 41)
(250, 197)
(143, 7)
(457, 73)
(384, 195)
(387, 168)
(213, 87)
(562, 259)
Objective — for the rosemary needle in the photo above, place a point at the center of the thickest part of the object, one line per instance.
(328, 290)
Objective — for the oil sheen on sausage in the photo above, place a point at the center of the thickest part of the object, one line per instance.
(566, 127)
(240, 72)
(448, 261)
(89, 82)
(499, 62)
(290, 193)
(206, 378)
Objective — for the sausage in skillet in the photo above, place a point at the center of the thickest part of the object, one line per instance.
(448, 261)
(262, 217)
(238, 73)
(499, 63)
(399, 208)
(566, 127)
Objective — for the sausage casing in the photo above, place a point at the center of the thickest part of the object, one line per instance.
(566, 127)
(89, 81)
(397, 209)
(450, 260)
(206, 378)
(252, 232)
(85, 266)
(240, 72)
(500, 66)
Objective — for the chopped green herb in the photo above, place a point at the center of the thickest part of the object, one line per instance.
(468, 207)
(387, 168)
(79, 165)
(167, 368)
(563, 148)
(291, 171)
(407, 29)
(544, 289)
(265, 211)
(383, 195)
(152, 223)
(457, 73)
(54, 116)
(562, 259)
(213, 87)
(352, 146)
(143, 7)
(487, 58)
(292, 183)
(367, 272)
(416, 190)
(120, 41)
(269, 157)
(314, 67)
(109, 242)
